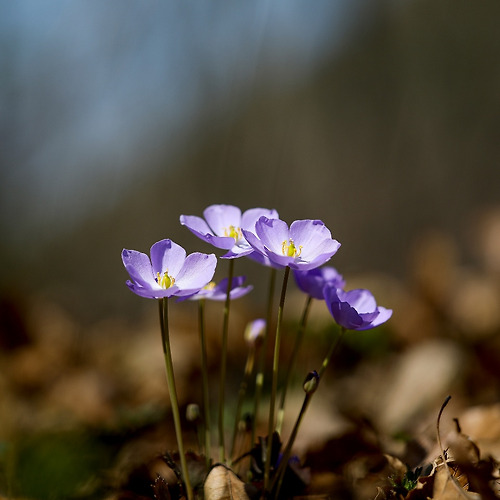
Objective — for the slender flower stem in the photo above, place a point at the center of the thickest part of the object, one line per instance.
(307, 399)
(225, 328)
(274, 385)
(241, 393)
(291, 365)
(280, 473)
(331, 352)
(204, 372)
(163, 308)
(259, 379)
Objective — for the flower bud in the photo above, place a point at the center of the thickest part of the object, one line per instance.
(311, 382)
(254, 331)
(193, 412)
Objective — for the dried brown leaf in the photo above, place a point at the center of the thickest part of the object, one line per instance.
(223, 484)
(463, 449)
(446, 488)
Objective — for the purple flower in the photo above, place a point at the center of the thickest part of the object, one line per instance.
(223, 227)
(218, 291)
(306, 245)
(169, 272)
(355, 309)
(312, 282)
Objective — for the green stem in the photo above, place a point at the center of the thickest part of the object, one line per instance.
(225, 328)
(241, 394)
(204, 372)
(307, 399)
(280, 473)
(331, 352)
(259, 379)
(163, 306)
(274, 385)
(291, 365)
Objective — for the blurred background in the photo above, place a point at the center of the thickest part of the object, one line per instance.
(380, 117)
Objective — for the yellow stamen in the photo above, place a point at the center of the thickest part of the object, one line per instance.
(210, 286)
(290, 250)
(165, 281)
(233, 232)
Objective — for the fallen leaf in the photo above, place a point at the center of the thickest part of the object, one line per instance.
(223, 484)
(445, 488)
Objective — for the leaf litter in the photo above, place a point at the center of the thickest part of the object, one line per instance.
(372, 435)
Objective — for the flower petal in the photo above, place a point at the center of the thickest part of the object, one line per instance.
(369, 317)
(305, 265)
(349, 317)
(280, 260)
(149, 293)
(220, 295)
(235, 282)
(313, 281)
(272, 233)
(314, 238)
(237, 251)
(196, 224)
(251, 216)
(237, 290)
(361, 299)
(254, 242)
(200, 229)
(343, 314)
(263, 260)
(220, 217)
(356, 309)
(240, 291)
(197, 271)
(167, 256)
(139, 268)
(332, 277)
(383, 316)
(219, 292)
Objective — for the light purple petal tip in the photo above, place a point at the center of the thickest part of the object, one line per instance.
(138, 266)
(195, 224)
(200, 229)
(197, 271)
(221, 217)
(355, 309)
(167, 256)
(272, 233)
(251, 216)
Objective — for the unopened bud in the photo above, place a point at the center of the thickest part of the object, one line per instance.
(254, 331)
(193, 412)
(311, 382)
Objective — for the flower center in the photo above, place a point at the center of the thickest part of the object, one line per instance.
(165, 281)
(210, 286)
(289, 249)
(233, 232)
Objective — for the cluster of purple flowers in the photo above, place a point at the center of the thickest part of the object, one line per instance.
(259, 234)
